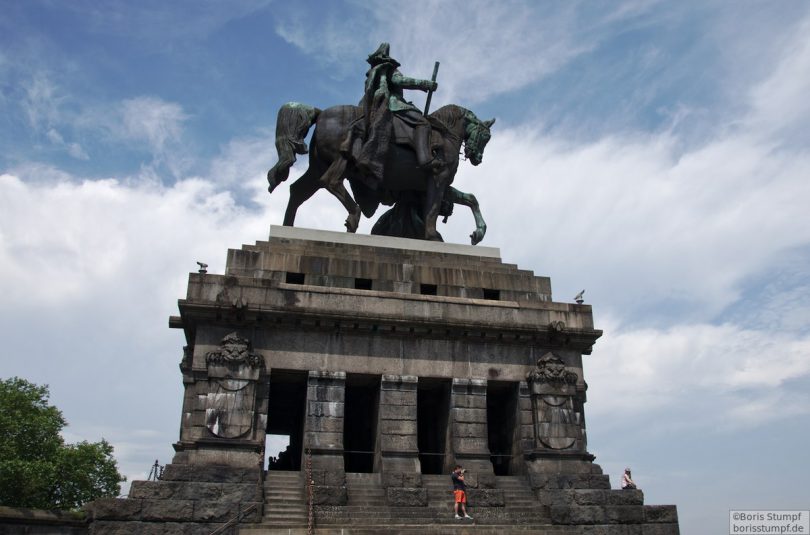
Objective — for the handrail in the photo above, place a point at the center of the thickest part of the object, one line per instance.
(235, 519)
(310, 490)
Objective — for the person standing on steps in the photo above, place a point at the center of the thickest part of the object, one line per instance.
(460, 492)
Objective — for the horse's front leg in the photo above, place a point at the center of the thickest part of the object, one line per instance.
(332, 180)
(468, 199)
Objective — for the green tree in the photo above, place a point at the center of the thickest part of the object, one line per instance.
(37, 468)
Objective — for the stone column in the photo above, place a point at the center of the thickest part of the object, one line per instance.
(323, 436)
(525, 420)
(399, 450)
(470, 441)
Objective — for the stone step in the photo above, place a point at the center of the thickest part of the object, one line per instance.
(274, 508)
(285, 500)
(286, 520)
(395, 529)
(425, 522)
(284, 492)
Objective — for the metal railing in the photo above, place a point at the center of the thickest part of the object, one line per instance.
(310, 491)
(156, 471)
(236, 519)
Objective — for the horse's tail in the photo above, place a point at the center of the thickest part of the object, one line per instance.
(293, 122)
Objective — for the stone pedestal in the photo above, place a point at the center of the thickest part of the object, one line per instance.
(323, 436)
(436, 329)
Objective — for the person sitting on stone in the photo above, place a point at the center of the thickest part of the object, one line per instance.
(459, 492)
(627, 481)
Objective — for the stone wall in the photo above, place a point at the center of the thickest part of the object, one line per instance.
(188, 499)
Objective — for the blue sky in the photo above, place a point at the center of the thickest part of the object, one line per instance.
(656, 154)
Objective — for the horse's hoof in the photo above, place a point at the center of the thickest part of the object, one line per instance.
(476, 237)
(352, 222)
(434, 236)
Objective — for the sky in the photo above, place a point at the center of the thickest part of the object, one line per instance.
(655, 154)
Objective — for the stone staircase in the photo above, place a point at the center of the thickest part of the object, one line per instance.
(367, 511)
(285, 500)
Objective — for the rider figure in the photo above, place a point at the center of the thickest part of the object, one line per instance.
(388, 117)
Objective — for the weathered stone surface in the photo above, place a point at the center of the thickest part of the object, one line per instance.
(625, 497)
(402, 479)
(211, 473)
(589, 497)
(195, 490)
(569, 481)
(585, 514)
(470, 402)
(661, 513)
(206, 511)
(625, 514)
(167, 510)
(329, 478)
(211, 511)
(326, 393)
(660, 529)
(611, 529)
(329, 495)
(141, 528)
(476, 416)
(114, 509)
(397, 397)
(324, 424)
(325, 408)
(467, 430)
(406, 497)
(398, 443)
(316, 440)
(398, 427)
(470, 445)
(485, 497)
(397, 412)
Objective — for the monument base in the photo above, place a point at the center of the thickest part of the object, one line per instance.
(386, 361)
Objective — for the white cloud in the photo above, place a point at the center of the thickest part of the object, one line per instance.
(780, 102)
(74, 149)
(91, 269)
(42, 101)
(485, 48)
(154, 120)
(707, 375)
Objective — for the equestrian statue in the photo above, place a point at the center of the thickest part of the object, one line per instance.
(390, 152)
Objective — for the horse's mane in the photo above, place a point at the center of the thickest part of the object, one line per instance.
(449, 115)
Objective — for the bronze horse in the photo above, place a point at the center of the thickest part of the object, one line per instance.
(452, 127)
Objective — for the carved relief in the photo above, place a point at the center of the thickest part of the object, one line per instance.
(558, 424)
(233, 371)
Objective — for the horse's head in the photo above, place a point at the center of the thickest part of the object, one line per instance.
(476, 138)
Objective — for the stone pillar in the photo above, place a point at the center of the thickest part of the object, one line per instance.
(323, 436)
(399, 450)
(470, 440)
(526, 418)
